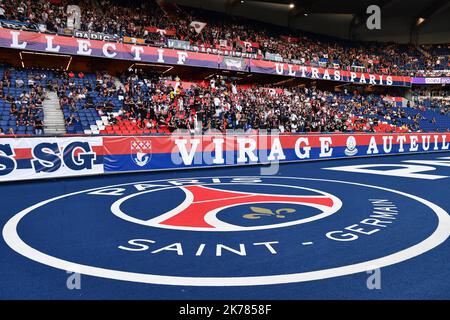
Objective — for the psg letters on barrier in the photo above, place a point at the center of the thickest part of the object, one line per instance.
(36, 158)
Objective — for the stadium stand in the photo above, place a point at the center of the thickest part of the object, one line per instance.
(150, 104)
(94, 103)
(146, 21)
(146, 104)
(21, 95)
(265, 149)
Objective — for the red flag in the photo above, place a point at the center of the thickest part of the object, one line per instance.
(247, 44)
(151, 29)
(163, 32)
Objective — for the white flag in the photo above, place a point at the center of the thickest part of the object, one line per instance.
(198, 26)
(162, 32)
(223, 43)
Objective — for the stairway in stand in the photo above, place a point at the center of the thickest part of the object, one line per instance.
(53, 116)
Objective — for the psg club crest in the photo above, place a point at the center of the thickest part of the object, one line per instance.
(227, 230)
(351, 149)
(141, 152)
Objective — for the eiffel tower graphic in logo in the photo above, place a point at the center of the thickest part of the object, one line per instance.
(202, 203)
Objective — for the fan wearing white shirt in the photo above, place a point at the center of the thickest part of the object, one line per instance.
(293, 117)
(2, 13)
(217, 102)
(294, 127)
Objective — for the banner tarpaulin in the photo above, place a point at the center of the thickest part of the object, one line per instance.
(24, 40)
(164, 32)
(37, 158)
(40, 157)
(234, 63)
(431, 80)
(302, 71)
(247, 44)
(18, 25)
(179, 44)
(154, 153)
(274, 56)
(95, 48)
(133, 40)
(95, 36)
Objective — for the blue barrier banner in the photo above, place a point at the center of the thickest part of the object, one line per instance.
(178, 151)
(39, 157)
(18, 25)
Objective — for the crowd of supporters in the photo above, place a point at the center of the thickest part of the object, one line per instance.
(438, 100)
(146, 20)
(159, 105)
(152, 104)
(21, 102)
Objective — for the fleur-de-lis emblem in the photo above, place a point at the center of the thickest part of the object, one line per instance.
(259, 212)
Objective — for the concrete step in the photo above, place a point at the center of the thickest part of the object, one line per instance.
(53, 115)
